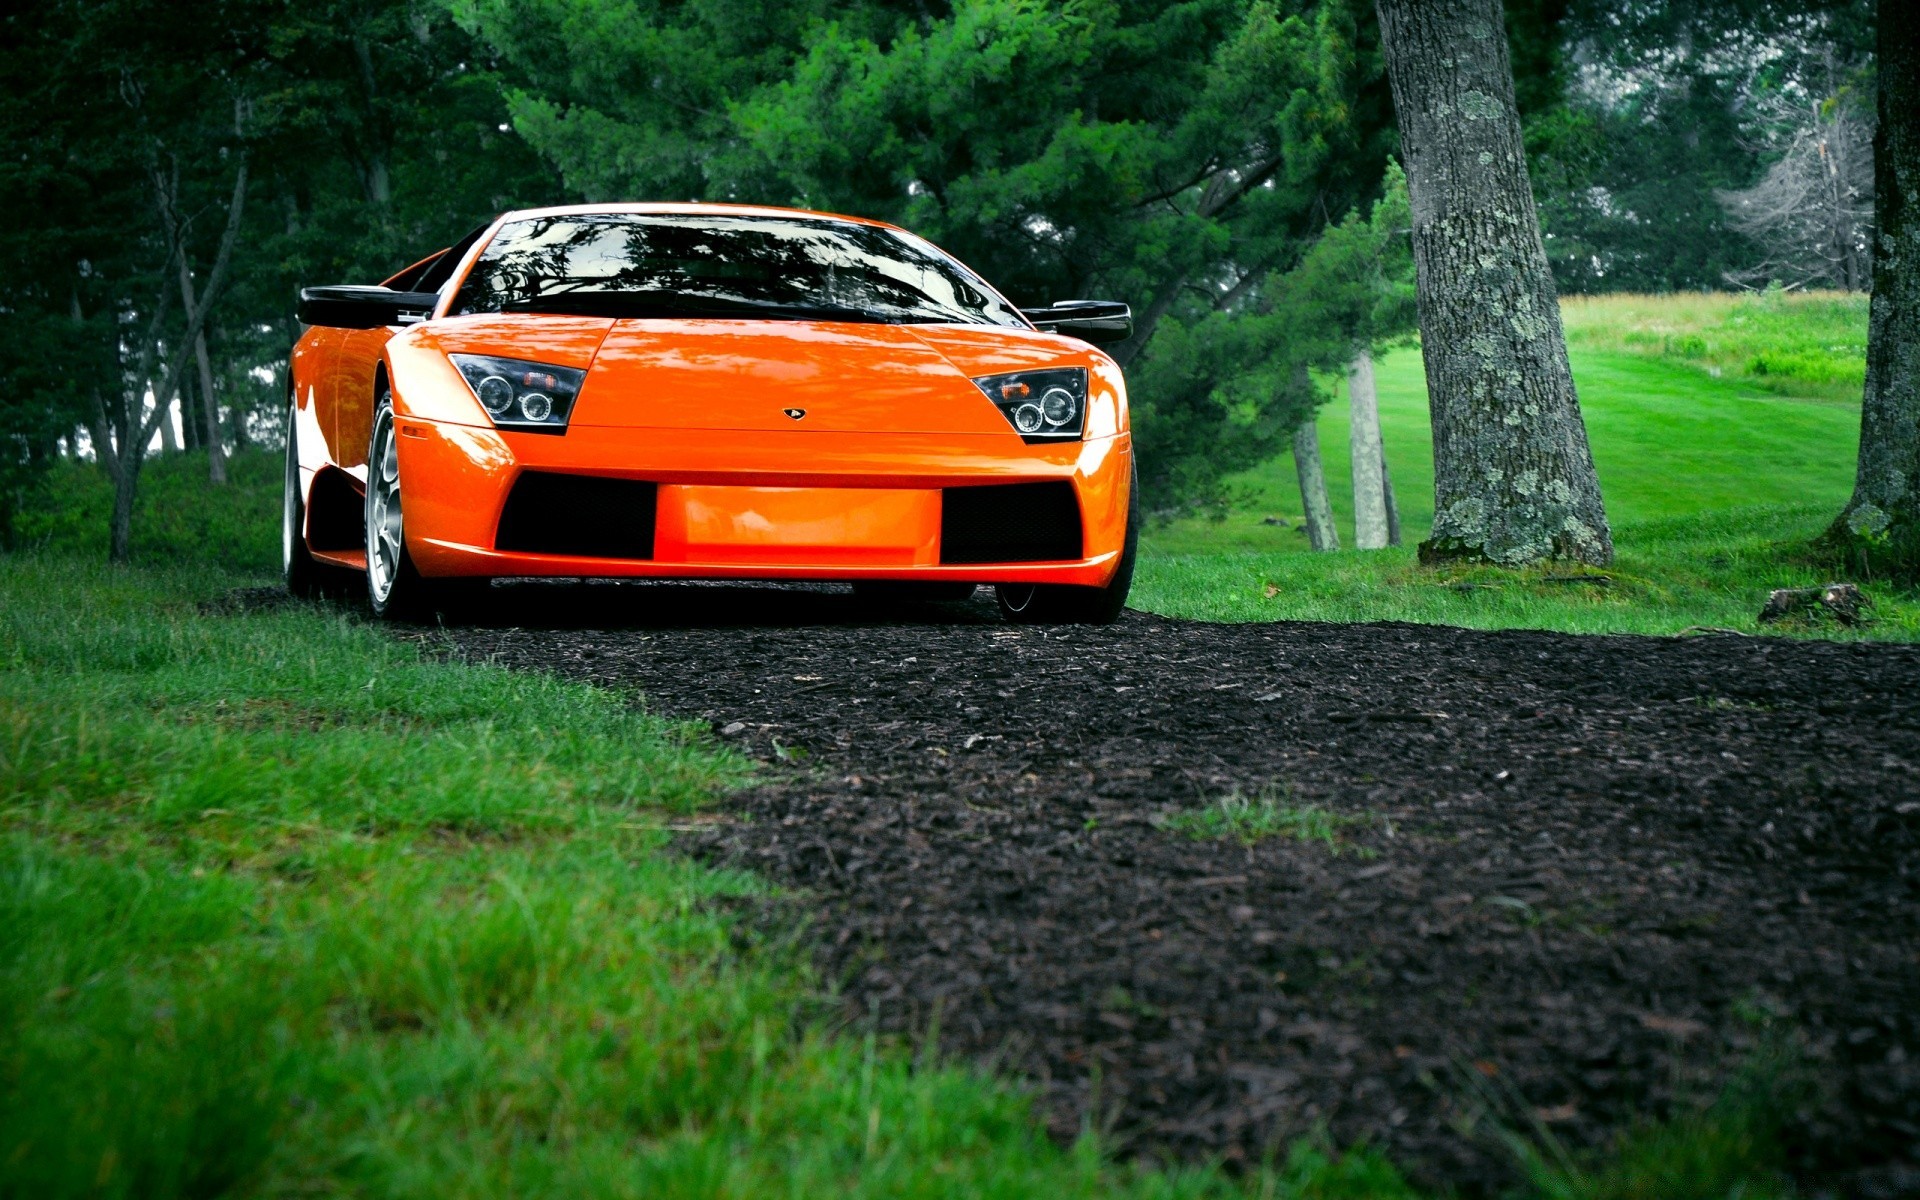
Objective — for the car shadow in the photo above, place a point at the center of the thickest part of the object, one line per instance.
(684, 604)
(651, 604)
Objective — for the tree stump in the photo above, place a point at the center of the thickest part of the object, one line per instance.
(1841, 601)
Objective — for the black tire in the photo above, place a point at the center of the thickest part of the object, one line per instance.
(305, 576)
(889, 593)
(1067, 604)
(396, 591)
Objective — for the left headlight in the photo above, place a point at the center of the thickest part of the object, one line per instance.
(529, 396)
(1042, 406)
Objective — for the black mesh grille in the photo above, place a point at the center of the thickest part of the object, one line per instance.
(1013, 522)
(578, 514)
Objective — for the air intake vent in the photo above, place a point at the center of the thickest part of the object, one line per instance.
(582, 515)
(1008, 523)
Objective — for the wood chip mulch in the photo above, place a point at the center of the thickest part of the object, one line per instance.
(1577, 880)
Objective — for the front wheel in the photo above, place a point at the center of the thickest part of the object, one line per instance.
(1067, 604)
(395, 588)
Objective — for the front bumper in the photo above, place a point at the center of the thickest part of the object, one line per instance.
(752, 505)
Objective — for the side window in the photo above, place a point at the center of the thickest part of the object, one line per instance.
(404, 281)
(441, 269)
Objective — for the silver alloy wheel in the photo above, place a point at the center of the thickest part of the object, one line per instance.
(384, 537)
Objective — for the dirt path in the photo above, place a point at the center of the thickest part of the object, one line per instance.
(1580, 877)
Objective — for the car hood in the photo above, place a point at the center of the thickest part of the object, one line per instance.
(836, 376)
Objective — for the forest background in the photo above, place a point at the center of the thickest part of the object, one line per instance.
(1226, 167)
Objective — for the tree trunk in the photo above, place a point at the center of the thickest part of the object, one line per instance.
(191, 423)
(216, 453)
(126, 483)
(1321, 534)
(1393, 506)
(1880, 527)
(169, 439)
(1363, 441)
(1513, 475)
(373, 170)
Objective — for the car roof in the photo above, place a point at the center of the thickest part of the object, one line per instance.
(692, 208)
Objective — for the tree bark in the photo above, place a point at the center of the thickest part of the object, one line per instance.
(1393, 506)
(191, 423)
(1363, 442)
(169, 439)
(1321, 534)
(120, 523)
(373, 169)
(216, 453)
(1513, 475)
(216, 450)
(1880, 527)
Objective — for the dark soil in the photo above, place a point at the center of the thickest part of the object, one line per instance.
(1581, 879)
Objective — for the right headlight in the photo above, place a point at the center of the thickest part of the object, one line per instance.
(529, 396)
(1042, 406)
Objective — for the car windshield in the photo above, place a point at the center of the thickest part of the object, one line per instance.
(681, 265)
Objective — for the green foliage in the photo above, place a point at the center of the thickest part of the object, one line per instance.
(1252, 819)
(1669, 105)
(1180, 157)
(180, 518)
(367, 138)
(1236, 383)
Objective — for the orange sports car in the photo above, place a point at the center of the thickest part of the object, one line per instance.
(704, 391)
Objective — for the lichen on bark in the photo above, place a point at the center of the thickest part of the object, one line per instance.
(1513, 475)
(1879, 530)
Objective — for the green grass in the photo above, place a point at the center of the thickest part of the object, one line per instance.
(1250, 820)
(1709, 571)
(1668, 441)
(1714, 486)
(1802, 344)
(1730, 1149)
(287, 906)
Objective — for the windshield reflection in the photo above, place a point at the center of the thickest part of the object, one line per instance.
(678, 265)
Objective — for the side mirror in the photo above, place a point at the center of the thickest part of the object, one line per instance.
(351, 307)
(1088, 320)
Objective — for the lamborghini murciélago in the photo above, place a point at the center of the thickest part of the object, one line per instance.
(700, 391)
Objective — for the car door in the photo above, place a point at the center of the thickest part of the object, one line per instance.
(358, 358)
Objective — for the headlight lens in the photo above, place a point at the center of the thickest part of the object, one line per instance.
(530, 396)
(1042, 406)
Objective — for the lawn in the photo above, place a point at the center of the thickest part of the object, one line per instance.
(1714, 485)
(289, 906)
